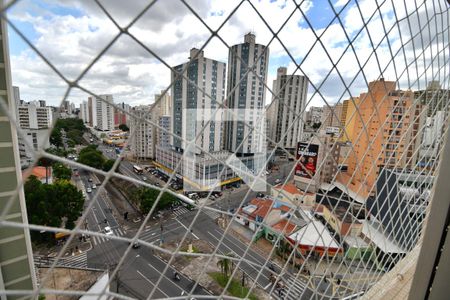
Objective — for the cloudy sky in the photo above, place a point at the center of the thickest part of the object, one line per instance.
(70, 34)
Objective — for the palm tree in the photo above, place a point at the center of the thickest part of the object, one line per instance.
(226, 264)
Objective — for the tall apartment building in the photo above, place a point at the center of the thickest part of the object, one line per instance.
(32, 116)
(390, 121)
(314, 115)
(102, 112)
(84, 112)
(16, 256)
(163, 137)
(120, 114)
(332, 116)
(164, 103)
(434, 97)
(192, 108)
(142, 133)
(349, 115)
(162, 112)
(246, 91)
(289, 106)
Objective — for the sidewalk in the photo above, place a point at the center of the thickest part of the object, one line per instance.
(261, 246)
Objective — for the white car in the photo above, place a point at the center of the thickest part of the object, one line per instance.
(278, 180)
(89, 190)
(94, 186)
(108, 230)
(144, 178)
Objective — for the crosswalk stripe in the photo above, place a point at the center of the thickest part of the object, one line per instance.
(212, 214)
(78, 261)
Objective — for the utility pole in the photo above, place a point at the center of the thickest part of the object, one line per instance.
(161, 236)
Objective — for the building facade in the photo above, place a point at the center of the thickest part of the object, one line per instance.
(289, 107)
(246, 91)
(102, 112)
(391, 122)
(33, 116)
(194, 102)
(120, 114)
(163, 133)
(16, 259)
(142, 133)
(332, 116)
(84, 112)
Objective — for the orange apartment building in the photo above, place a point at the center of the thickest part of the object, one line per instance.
(382, 136)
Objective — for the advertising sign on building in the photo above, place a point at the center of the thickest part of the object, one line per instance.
(332, 130)
(307, 157)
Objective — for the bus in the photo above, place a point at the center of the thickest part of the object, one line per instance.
(138, 169)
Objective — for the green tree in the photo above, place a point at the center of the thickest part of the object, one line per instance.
(108, 165)
(75, 135)
(146, 197)
(49, 204)
(56, 137)
(124, 127)
(92, 157)
(226, 265)
(69, 201)
(56, 151)
(60, 171)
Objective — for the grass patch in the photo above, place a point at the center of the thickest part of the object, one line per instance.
(235, 288)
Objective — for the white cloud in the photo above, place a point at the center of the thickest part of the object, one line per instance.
(170, 30)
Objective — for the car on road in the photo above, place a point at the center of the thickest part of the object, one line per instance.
(89, 190)
(277, 181)
(90, 179)
(94, 186)
(144, 178)
(136, 245)
(260, 195)
(157, 184)
(108, 230)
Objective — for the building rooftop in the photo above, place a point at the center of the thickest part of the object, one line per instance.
(343, 214)
(262, 207)
(40, 173)
(314, 234)
(371, 229)
(355, 242)
(284, 226)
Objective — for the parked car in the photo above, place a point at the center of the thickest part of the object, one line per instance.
(144, 178)
(136, 245)
(260, 195)
(90, 179)
(94, 186)
(277, 181)
(89, 190)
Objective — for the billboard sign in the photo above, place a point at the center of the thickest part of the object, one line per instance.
(307, 160)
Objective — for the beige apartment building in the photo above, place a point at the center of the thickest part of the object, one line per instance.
(390, 120)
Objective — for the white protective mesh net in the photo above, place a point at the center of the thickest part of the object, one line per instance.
(349, 145)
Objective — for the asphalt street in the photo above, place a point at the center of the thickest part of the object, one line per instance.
(141, 269)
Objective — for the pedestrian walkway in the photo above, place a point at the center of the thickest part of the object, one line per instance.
(180, 211)
(212, 214)
(101, 239)
(75, 261)
(293, 289)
